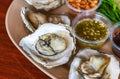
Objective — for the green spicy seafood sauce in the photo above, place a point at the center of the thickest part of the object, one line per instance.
(91, 30)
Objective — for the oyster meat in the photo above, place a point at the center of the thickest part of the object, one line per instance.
(50, 47)
(33, 19)
(59, 18)
(45, 4)
(50, 44)
(90, 64)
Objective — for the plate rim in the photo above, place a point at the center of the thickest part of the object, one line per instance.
(28, 58)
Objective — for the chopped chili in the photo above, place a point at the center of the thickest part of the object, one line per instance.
(83, 4)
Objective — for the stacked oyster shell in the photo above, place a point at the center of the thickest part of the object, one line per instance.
(45, 4)
(51, 43)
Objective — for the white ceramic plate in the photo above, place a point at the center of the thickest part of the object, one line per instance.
(17, 30)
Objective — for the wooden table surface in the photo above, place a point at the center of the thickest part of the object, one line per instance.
(13, 65)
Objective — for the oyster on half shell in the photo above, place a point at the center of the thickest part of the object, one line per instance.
(33, 19)
(49, 47)
(90, 64)
(45, 4)
(50, 44)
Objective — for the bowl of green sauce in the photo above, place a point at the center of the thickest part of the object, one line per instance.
(91, 31)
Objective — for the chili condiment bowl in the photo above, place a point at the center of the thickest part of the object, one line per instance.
(103, 23)
(86, 10)
(115, 39)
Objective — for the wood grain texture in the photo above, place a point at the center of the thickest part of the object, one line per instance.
(13, 65)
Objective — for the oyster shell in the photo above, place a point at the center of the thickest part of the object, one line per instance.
(33, 19)
(90, 64)
(45, 4)
(49, 60)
